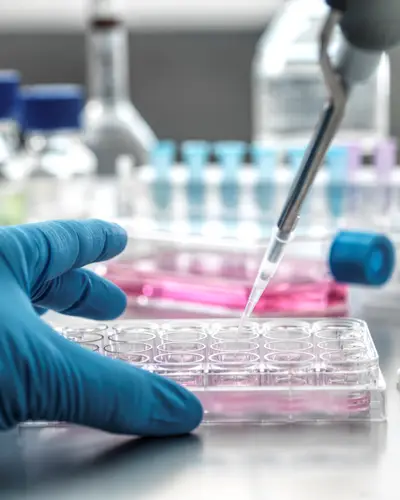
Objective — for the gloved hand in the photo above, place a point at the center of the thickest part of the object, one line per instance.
(44, 376)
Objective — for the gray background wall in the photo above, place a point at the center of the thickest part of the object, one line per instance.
(187, 85)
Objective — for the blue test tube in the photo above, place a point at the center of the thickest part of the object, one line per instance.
(162, 158)
(230, 156)
(195, 155)
(337, 159)
(265, 160)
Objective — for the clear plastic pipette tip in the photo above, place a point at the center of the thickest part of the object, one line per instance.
(254, 297)
(267, 269)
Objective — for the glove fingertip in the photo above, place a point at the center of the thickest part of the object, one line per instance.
(189, 413)
(110, 301)
(174, 409)
(114, 308)
(193, 415)
(137, 401)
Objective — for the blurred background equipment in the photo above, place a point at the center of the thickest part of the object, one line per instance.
(288, 87)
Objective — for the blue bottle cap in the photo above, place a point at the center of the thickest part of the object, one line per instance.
(362, 258)
(9, 94)
(52, 107)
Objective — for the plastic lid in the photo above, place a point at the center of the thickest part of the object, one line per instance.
(262, 155)
(52, 107)
(164, 151)
(362, 258)
(9, 94)
(230, 150)
(199, 150)
(193, 147)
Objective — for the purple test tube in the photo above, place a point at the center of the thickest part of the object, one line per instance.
(385, 161)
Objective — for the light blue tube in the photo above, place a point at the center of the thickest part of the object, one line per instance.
(195, 155)
(337, 160)
(162, 157)
(230, 156)
(265, 160)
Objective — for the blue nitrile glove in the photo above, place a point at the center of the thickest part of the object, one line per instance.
(44, 376)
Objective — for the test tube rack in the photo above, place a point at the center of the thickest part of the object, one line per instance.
(242, 187)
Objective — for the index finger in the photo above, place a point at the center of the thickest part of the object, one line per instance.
(53, 248)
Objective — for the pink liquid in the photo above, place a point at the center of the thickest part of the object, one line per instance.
(225, 281)
(247, 403)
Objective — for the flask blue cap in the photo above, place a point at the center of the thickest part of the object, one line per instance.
(362, 258)
(9, 94)
(52, 107)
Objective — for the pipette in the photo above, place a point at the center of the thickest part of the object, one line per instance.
(269, 265)
(353, 66)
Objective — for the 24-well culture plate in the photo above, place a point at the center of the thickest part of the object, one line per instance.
(272, 371)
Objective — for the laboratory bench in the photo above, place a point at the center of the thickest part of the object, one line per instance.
(294, 462)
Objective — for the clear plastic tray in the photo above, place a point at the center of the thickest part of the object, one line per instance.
(273, 371)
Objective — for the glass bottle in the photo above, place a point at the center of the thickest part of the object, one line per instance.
(288, 88)
(56, 166)
(113, 126)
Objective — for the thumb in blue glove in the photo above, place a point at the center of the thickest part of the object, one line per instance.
(46, 377)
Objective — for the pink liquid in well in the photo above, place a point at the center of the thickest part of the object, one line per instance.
(226, 280)
(242, 403)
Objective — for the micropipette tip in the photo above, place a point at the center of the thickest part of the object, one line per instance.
(254, 297)
(268, 267)
(246, 314)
